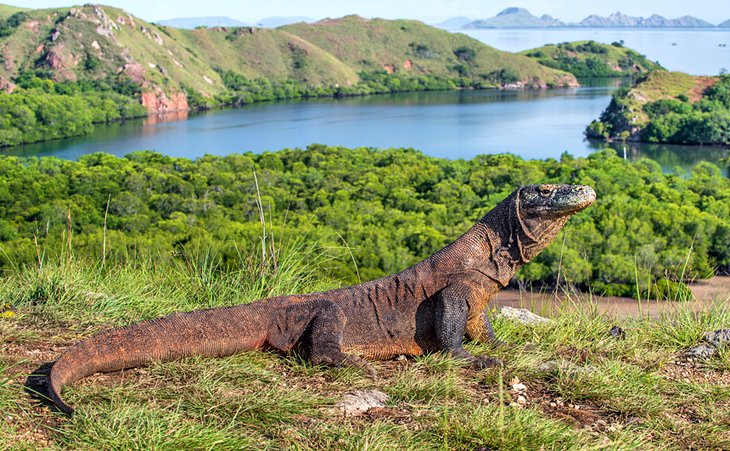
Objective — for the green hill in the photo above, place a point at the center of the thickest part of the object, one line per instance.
(411, 46)
(592, 59)
(100, 42)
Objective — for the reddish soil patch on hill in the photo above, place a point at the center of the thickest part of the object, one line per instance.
(701, 84)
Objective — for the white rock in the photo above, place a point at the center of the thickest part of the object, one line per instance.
(360, 401)
(522, 315)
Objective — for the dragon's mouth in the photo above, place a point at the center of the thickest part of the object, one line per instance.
(576, 199)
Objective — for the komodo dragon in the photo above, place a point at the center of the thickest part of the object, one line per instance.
(427, 307)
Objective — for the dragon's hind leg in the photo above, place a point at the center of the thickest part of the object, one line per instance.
(327, 330)
(322, 337)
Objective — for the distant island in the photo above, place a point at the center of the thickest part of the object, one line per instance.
(522, 18)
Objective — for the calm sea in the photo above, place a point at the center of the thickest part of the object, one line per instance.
(703, 51)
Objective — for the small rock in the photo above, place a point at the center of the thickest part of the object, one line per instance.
(555, 366)
(718, 338)
(519, 387)
(360, 401)
(701, 351)
(521, 400)
(521, 315)
(617, 332)
(401, 358)
(712, 341)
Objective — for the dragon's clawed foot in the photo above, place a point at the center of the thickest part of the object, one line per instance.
(483, 362)
(479, 362)
(357, 362)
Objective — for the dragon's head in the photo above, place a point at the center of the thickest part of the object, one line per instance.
(553, 201)
(542, 210)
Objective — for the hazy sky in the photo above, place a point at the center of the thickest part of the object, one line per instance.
(713, 11)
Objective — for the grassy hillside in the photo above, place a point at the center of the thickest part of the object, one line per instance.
(9, 10)
(669, 107)
(93, 42)
(411, 46)
(592, 59)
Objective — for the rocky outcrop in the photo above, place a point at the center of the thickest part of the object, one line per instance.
(157, 101)
(106, 27)
(6, 85)
(61, 61)
(134, 71)
(711, 342)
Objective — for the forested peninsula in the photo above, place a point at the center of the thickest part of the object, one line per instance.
(65, 69)
(368, 212)
(668, 107)
(593, 59)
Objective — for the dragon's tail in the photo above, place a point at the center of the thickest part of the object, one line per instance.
(212, 333)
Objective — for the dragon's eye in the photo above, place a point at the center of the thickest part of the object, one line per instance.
(544, 190)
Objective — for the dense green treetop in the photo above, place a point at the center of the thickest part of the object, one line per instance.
(389, 208)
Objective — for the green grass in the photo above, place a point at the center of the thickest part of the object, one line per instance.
(9, 10)
(626, 393)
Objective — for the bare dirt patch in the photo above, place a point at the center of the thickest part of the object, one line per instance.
(701, 84)
(705, 292)
(695, 372)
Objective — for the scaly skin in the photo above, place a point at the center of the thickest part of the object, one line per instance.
(428, 307)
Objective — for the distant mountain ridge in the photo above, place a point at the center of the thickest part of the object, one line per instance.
(514, 17)
(454, 23)
(654, 21)
(190, 23)
(725, 24)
